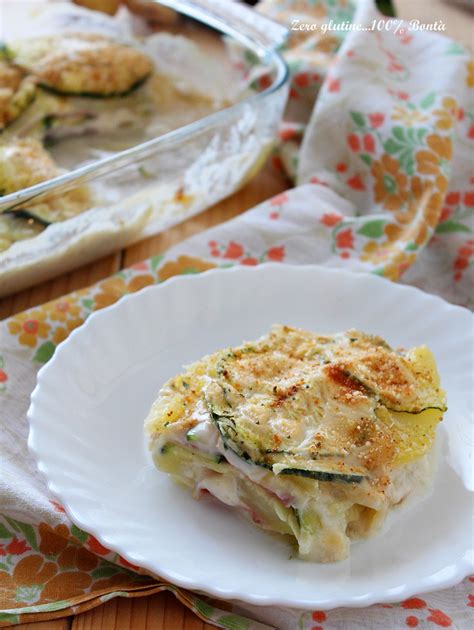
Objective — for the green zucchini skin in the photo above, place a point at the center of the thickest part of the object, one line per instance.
(322, 476)
(16, 229)
(216, 462)
(416, 413)
(222, 423)
(23, 213)
(135, 86)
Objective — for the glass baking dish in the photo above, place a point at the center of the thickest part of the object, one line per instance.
(169, 178)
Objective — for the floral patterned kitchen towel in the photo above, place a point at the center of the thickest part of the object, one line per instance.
(383, 163)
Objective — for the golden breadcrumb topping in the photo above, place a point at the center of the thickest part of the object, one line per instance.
(23, 163)
(345, 403)
(83, 63)
(17, 90)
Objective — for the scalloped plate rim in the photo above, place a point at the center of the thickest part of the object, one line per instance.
(462, 568)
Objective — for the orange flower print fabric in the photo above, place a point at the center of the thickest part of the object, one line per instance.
(30, 327)
(46, 571)
(112, 289)
(44, 564)
(183, 265)
(470, 73)
(3, 375)
(438, 152)
(390, 185)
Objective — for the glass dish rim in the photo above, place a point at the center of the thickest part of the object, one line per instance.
(144, 149)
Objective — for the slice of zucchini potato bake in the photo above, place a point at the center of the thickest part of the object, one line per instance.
(312, 436)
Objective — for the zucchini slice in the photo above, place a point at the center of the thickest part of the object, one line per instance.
(240, 440)
(85, 64)
(312, 405)
(174, 458)
(400, 380)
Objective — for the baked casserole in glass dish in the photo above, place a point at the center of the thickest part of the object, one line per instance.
(111, 131)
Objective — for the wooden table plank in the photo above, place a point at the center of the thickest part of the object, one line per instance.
(58, 624)
(82, 277)
(157, 612)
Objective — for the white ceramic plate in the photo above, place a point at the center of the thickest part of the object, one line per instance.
(87, 413)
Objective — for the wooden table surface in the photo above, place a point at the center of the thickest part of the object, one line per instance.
(163, 611)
